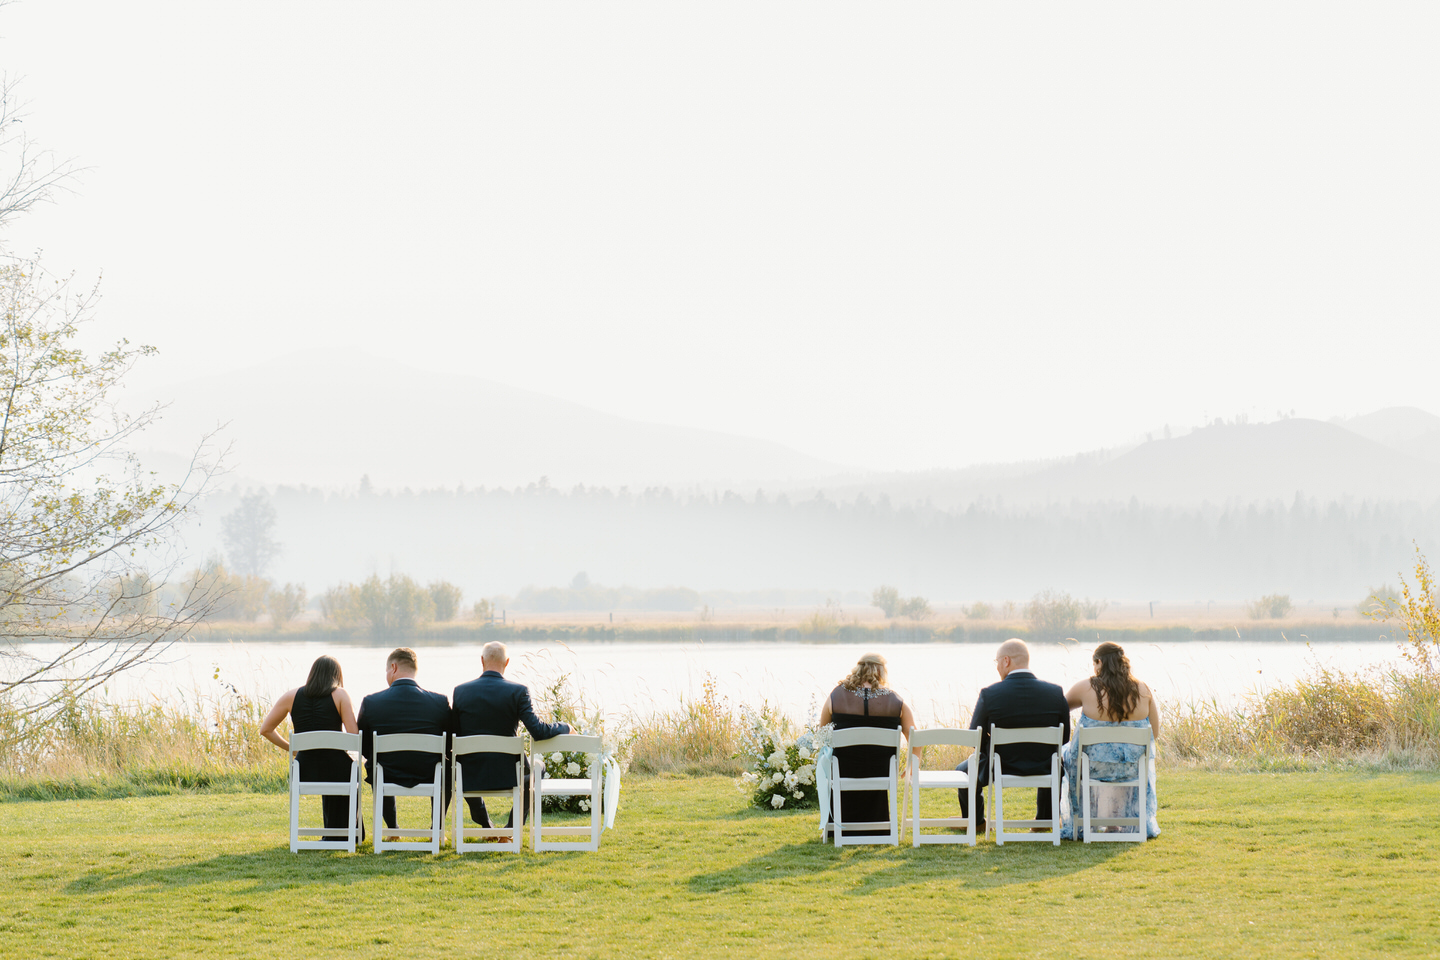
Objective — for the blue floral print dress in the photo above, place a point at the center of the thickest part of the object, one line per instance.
(1108, 761)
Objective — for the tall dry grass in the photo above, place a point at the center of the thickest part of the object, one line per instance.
(114, 750)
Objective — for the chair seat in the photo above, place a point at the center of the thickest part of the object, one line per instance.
(558, 785)
(957, 779)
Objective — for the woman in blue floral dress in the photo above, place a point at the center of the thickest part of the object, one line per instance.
(1111, 698)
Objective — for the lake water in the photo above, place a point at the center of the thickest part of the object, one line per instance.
(939, 680)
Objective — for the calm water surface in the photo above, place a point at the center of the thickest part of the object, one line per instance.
(633, 679)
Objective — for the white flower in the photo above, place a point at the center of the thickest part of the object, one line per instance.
(806, 774)
(557, 757)
(777, 800)
(790, 781)
(799, 795)
(776, 759)
(748, 777)
(585, 805)
(805, 752)
(572, 768)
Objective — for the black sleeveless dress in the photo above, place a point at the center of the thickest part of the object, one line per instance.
(319, 713)
(865, 708)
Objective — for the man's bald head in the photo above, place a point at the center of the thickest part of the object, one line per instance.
(494, 656)
(1012, 655)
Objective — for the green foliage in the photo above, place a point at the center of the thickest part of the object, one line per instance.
(979, 610)
(1274, 606)
(285, 603)
(445, 598)
(1418, 610)
(388, 608)
(890, 602)
(702, 736)
(1378, 600)
(1053, 615)
(229, 596)
(484, 610)
(887, 598)
(76, 511)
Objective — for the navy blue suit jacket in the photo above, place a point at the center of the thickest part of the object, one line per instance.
(492, 705)
(402, 708)
(1020, 700)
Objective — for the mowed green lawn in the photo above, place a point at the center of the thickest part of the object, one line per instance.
(1299, 864)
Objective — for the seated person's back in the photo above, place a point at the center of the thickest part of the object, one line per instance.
(403, 707)
(496, 707)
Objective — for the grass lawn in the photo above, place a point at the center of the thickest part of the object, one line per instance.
(1293, 864)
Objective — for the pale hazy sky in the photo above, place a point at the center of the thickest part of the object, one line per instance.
(899, 236)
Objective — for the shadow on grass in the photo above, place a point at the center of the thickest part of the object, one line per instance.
(279, 869)
(880, 868)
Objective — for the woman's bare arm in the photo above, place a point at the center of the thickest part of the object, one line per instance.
(1154, 711)
(1076, 695)
(907, 724)
(825, 716)
(273, 719)
(347, 712)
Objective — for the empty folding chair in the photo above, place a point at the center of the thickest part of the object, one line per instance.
(860, 737)
(481, 743)
(418, 743)
(919, 779)
(1140, 736)
(346, 838)
(999, 780)
(542, 786)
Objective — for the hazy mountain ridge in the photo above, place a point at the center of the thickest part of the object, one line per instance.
(326, 418)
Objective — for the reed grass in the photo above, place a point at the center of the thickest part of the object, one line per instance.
(1386, 719)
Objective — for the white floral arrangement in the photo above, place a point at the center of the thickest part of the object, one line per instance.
(780, 770)
(568, 765)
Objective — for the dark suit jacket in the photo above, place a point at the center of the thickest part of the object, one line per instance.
(402, 708)
(1020, 700)
(492, 705)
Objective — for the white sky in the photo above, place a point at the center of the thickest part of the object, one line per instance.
(902, 237)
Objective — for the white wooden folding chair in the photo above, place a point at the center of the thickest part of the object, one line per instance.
(918, 779)
(872, 737)
(418, 743)
(481, 743)
(999, 780)
(542, 786)
(346, 838)
(1087, 736)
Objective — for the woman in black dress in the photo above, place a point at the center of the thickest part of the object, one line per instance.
(863, 700)
(322, 704)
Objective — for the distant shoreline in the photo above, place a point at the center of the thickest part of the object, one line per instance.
(848, 633)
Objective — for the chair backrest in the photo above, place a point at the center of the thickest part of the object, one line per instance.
(866, 737)
(1089, 735)
(945, 737)
(414, 742)
(569, 743)
(485, 743)
(1050, 736)
(324, 740)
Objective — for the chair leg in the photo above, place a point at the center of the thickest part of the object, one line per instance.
(294, 813)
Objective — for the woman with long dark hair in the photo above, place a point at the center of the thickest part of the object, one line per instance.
(322, 704)
(1113, 697)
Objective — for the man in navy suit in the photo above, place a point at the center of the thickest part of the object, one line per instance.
(403, 707)
(1020, 699)
(492, 705)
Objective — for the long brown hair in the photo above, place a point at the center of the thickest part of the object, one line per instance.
(1117, 691)
(324, 677)
(869, 670)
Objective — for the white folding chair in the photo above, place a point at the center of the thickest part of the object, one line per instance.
(919, 779)
(481, 743)
(419, 743)
(350, 835)
(1086, 736)
(872, 737)
(542, 786)
(999, 780)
